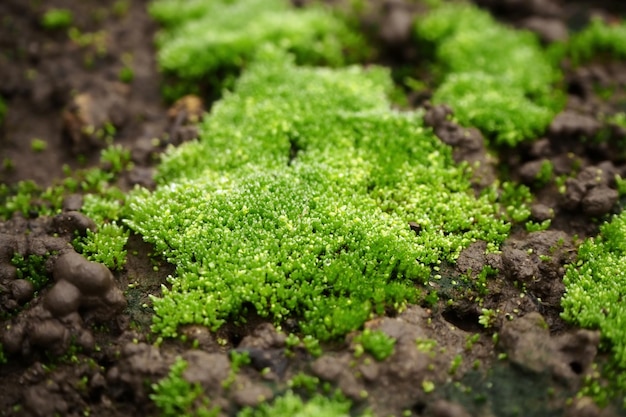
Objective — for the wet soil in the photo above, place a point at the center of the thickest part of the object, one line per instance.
(485, 347)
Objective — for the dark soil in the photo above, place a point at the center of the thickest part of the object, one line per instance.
(83, 347)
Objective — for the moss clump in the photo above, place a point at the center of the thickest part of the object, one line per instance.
(212, 40)
(485, 75)
(105, 246)
(296, 202)
(595, 286)
(291, 404)
(376, 343)
(176, 397)
(595, 291)
(598, 38)
(57, 19)
(31, 268)
(3, 110)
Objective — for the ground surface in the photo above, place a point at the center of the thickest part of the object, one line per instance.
(55, 86)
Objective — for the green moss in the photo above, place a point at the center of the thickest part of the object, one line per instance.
(595, 288)
(376, 343)
(116, 158)
(105, 246)
(598, 38)
(38, 145)
(209, 40)
(3, 110)
(485, 76)
(176, 397)
(290, 404)
(296, 201)
(237, 361)
(31, 268)
(594, 283)
(18, 199)
(57, 19)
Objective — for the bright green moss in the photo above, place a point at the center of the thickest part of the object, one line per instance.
(296, 201)
(599, 38)
(594, 299)
(486, 76)
(105, 246)
(176, 397)
(203, 38)
(376, 343)
(31, 268)
(290, 404)
(595, 286)
(18, 199)
(57, 19)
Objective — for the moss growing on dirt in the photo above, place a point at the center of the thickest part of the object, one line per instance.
(594, 282)
(176, 397)
(599, 38)
(291, 404)
(296, 202)
(374, 342)
(594, 290)
(214, 40)
(3, 110)
(485, 74)
(57, 19)
(31, 268)
(105, 246)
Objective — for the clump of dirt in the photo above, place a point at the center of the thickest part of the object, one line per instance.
(83, 292)
(65, 86)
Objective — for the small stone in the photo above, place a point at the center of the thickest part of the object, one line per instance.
(73, 202)
(549, 30)
(62, 299)
(599, 201)
(22, 290)
(69, 222)
(540, 212)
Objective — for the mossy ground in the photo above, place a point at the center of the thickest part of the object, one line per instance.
(308, 203)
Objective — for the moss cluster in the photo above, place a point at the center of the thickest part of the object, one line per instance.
(594, 299)
(291, 404)
(598, 38)
(176, 397)
(296, 202)
(595, 283)
(57, 19)
(3, 110)
(105, 246)
(376, 343)
(212, 40)
(31, 268)
(485, 73)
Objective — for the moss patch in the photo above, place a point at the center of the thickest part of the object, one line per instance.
(296, 202)
(595, 283)
(212, 41)
(486, 76)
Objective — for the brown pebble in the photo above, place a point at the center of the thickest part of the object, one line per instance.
(62, 299)
(48, 333)
(91, 278)
(22, 290)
